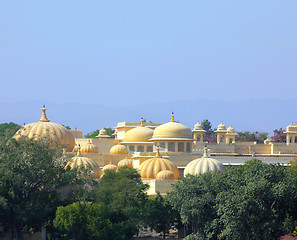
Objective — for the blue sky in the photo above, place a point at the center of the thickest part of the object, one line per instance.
(117, 53)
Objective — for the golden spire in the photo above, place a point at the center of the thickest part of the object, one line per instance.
(172, 117)
(43, 116)
(158, 152)
(205, 152)
(141, 123)
(78, 151)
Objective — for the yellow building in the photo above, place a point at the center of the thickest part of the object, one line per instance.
(141, 145)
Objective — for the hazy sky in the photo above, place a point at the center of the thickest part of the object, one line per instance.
(125, 52)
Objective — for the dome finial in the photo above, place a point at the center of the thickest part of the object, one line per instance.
(158, 152)
(172, 117)
(205, 152)
(78, 151)
(43, 116)
(141, 123)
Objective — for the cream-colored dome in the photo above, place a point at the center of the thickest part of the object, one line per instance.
(89, 148)
(46, 129)
(151, 167)
(118, 149)
(83, 162)
(109, 166)
(126, 162)
(103, 134)
(138, 134)
(292, 127)
(203, 165)
(165, 175)
(230, 129)
(221, 126)
(198, 126)
(172, 131)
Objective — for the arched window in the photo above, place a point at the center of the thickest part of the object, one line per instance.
(198, 138)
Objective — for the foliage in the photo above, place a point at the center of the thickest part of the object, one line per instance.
(84, 221)
(32, 176)
(159, 215)
(95, 133)
(123, 194)
(209, 135)
(247, 136)
(8, 129)
(252, 201)
(279, 135)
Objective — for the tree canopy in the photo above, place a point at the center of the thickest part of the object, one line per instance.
(32, 175)
(8, 129)
(252, 201)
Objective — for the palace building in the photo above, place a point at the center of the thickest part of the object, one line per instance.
(162, 152)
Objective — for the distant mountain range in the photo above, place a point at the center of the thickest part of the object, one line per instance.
(251, 115)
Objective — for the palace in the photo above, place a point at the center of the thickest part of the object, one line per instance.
(162, 152)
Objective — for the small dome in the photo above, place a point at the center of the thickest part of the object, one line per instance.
(103, 134)
(203, 165)
(89, 148)
(46, 129)
(118, 149)
(172, 131)
(165, 175)
(151, 167)
(292, 127)
(126, 162)
(230, 129)
(198, 126)
(109, 166)
(83, 162)
(221, 126)
(138, 134)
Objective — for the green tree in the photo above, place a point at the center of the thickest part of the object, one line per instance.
(123, 194)
(252, 201)
(32, 176)
(8, 129)
(84, 221)
(159, 215)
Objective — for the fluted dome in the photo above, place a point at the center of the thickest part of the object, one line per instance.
(203, 165)
(138, 134)
(109, 166)
(198, 126)
(172, 131)
(230, 129)
(89, 148)
(151, 167)
(103, 134)
(292, 127)
(46, 129)
(126, 162)
(118, 149)
(165, 175)
(83, 162)
(221, 126)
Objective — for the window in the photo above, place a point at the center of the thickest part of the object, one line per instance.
(162, 146)
(188, 147)
(171, 147)
(131, 149)
(181, 147)
(149, 148)
(140, 148)
(198, 138)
